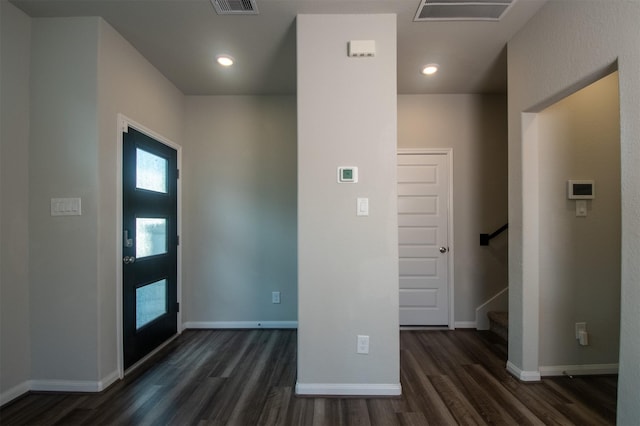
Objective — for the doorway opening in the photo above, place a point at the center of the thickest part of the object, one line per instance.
(571, 248)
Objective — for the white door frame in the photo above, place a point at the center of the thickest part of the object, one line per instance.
(448, 152)
(123, 124)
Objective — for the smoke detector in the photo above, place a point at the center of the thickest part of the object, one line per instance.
(462, 10)
(235, 7)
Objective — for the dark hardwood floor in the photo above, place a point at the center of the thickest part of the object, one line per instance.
(247, 377)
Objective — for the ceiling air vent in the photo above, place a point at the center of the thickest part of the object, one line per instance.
(462, 10)
(235, 7)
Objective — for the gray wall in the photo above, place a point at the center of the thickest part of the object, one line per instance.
(587, 38)
(347, 265)
(76, 74)
(580, 256)
(240, 180)
(130, 85)
(63, 162)
(475, 127)
(15, 347)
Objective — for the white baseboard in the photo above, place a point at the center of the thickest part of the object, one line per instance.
(578, 370)
(525, 376)
(14, 392)
(65, 386)
(465, 324)
(240, 324)
(58, 386)
(349, 389)
(108, 380)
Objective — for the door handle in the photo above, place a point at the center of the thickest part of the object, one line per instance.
(128, 260)
(128, 242)
(444, 249)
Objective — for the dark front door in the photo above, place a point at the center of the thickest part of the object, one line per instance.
(150, 239)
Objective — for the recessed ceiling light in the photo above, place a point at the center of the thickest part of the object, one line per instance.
(430, 69)
(224, 60)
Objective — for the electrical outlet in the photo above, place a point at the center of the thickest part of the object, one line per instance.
(275, 297)
(363, 344)
(580, 326)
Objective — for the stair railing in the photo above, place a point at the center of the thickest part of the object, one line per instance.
(485, 238)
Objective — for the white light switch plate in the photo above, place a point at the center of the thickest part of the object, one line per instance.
(362, 208)
(581, 208)
(66, 207)
(363, 344)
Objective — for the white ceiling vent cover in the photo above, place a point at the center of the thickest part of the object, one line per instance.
(235, 7)
(462, 10)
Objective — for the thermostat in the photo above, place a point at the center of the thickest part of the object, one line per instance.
(347, 174)
(581, 189)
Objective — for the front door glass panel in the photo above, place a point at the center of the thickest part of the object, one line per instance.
(151, 236)
(151, 171)
(151, 302)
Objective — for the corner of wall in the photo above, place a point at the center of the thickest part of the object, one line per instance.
(15, 346)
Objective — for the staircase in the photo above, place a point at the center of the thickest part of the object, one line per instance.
(499, 324)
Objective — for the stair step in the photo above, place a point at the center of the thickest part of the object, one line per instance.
(499, 323)
(501, 318)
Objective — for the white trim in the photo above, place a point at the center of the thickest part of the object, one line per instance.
(525, 376)
(449, 153)
(239, 324)
(74, 385)
(58, 386)
(349, 389)
(578, 370)
(465, 324)
(123, 122)
(109, 380)
(65, 386)
(526, 341)
(423, 327)
(14, 392)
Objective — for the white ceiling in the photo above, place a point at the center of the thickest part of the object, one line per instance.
(182, 37)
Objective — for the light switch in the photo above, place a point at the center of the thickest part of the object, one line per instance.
(363, 207)
(66, 207)
(581, 208)
(360, 48)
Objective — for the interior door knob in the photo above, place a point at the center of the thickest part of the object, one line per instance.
(444, 249)
(128, 260)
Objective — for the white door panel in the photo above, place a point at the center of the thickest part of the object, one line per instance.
(421, 205)
(418, 283)
(419, 267)
(418, 236)
(423, 215)
(415, 316)
(414, 220)
(421, 298)
(411, 159)
(413, 188)
(416, 251)
(412, 174)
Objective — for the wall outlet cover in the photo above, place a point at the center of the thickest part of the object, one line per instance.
(363, 344)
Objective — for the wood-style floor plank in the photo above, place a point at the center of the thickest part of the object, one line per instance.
(247, 377)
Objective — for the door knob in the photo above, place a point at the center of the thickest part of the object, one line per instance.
(128, 260)
(444, 249)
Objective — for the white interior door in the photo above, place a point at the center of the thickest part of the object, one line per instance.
(423, 215)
